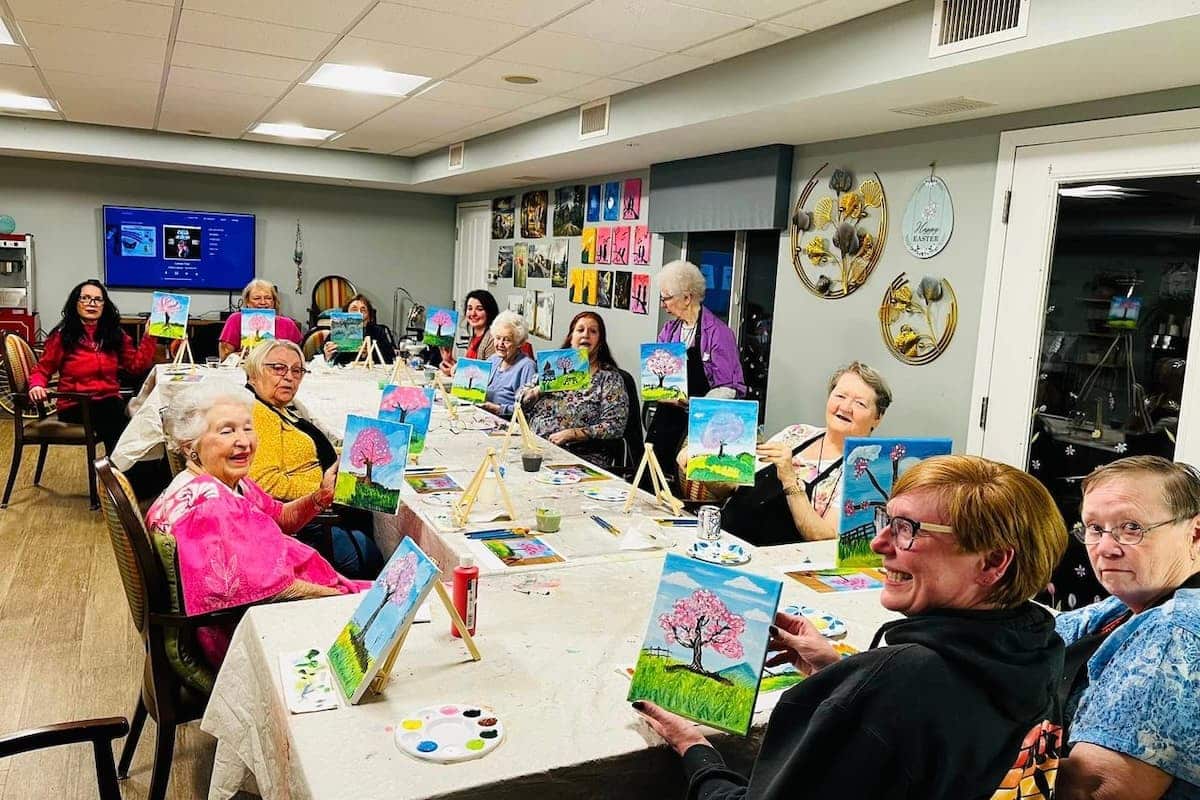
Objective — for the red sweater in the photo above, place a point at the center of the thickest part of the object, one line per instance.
(87, 369)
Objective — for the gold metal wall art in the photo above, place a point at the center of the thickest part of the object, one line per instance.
(917, 323)
(838, 237)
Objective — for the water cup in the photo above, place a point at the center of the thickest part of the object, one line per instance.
(531, 461)
(548, 519)
(211, 362)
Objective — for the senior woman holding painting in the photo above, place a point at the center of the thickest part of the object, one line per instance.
(1132, 674)
(960, 700)
(511, 368)
(257, 294)
(229, 534)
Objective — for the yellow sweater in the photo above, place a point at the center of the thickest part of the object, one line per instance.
(286, 465)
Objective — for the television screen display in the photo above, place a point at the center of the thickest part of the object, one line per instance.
(163, 249)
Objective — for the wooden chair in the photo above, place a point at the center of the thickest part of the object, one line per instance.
(33, 424)
(330, 292)
(100, 732)
(176, 681)
(314, 341)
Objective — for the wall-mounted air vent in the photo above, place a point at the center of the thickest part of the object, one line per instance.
(593, 119)
(941, 108)
(963, 24)
(456, 151)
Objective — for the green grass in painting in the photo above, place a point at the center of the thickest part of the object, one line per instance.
(654, 393)
(777, 683)
(347, 659)
(476, 395)
(438, 341)
(857, 553)
(724, 706)
(352, 491)
(726, 468)
(171, 331)
(567, 383)
(416, 444)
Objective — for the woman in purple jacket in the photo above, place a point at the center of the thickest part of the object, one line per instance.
(713, 366)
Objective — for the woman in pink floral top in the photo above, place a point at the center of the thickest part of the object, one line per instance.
(229, 533)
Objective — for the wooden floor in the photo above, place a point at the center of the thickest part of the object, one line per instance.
(70, 646)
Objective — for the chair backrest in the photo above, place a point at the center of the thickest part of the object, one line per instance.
(19, 362)
(635, 438)
(176, 462)
(314, 340)
(141, 574)
(332, 291)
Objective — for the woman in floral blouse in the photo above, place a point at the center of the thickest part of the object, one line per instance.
(589, 422)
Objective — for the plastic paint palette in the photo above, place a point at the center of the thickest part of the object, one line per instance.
(606, 494)
(719, 552)
(827, 625)
(558, 478)
(449, 733)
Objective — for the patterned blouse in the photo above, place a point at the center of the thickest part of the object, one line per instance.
(827, 497)
(601, 411)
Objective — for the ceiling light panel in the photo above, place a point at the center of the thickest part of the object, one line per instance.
(289, 130)
(24, 102)
(368, 80)
(5, 36)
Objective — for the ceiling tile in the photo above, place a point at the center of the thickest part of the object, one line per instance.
(482, 96)
(418, 149)
(577, 54)
(320, 15)
(114, 16)
(236, 62)
(491, 72)
(80, 50)
(420, 26)
(397, 58)
(414, 121)
(21, 80)
(104, 101)
(251, 36)
(600, 88)
(223, 113)
(331, 109)
(824, 13)
(551, 105)
(259, 137)
(758, 9)
(761, 35)
(664, 67)
(656, 24)
(193, 78)
(16, 56)
(530, 13)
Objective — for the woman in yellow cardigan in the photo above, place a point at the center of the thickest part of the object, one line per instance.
(293, 455)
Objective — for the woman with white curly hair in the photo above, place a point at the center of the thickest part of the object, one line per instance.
(511, 368)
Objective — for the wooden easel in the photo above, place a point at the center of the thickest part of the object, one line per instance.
(384, 675)
(367, 354)
(184, 351)
(529, 442)
(447, 400)
(402, 374)
(662, 491)
(462, 506)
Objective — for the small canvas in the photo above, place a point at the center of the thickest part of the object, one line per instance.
(504, 261)
(516, 303)
(428, 484)
(639, 293)
(374, 454)
(307, 681)
(604, 285)
(503, 217)
(559, 261)
(620, 245)
(621, 286)
(664, 371)
(640, 252)
(520, 264)
(576, 287)
(722, 440)
(530, 303)
(871, 466)
(543, 326)
(346, 331)
(587, 246)
(471, 378)
(840, 580)
(169, 315)
(706, 642)
(1123, 312)
(383, 616)
(593, 203)
(603, 245)
(410, 404)
(258, 324)
(519, 551)
(612, 201)
(568, 210)
(440, 325)
(538, 261)
(631, 206)
(563, 370)
(590, 281)
(534, 208)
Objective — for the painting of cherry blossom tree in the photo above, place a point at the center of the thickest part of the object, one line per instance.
(410, 404)
(471, 378)
(706, 642)
(258, 324)
(664, 371)
(383, 615)
(371, 469)
(440, 326)
(563, 370)
(721, 440)
(871, 466)
(169, 315)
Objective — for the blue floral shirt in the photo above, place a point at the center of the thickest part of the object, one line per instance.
(1143, 696)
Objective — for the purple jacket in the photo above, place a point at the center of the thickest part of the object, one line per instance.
(719, 351)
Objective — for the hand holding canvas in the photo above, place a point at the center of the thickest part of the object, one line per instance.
(680, 733)
(324, 493)
(796, 641)
(779, 454)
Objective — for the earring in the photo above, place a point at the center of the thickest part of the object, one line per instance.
(194, 456)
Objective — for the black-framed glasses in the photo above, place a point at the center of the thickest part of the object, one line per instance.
(281, 370)
(1127, 533)
(89, 300)
(905, 530)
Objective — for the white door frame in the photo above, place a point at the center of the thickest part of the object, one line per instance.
(464, 279)
(990, 316)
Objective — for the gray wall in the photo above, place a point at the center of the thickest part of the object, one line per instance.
(378, 239)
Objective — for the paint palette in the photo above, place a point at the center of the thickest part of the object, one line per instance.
(827, 625)
(606, 494)
(719, 552)
(555, 478)
(449, 733)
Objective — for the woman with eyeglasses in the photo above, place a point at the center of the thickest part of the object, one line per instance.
(89, 350)
(258, 293)
(293, 456)
(1132, 675)
(955, 700)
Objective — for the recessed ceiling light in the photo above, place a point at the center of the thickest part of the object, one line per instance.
(289, 130)
(25, 103)
(522, 80)
(366, 79)
(5, 36)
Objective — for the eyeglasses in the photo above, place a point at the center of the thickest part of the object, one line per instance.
(281, 370)
(1128, 533)
(89, 300)
(905, 530)
(665, 297)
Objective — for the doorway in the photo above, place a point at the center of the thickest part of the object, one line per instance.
(471, 249)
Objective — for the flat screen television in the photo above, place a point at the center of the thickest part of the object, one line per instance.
(156, 248)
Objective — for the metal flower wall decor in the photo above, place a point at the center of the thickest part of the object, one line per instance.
(836, 244)
(917, 326)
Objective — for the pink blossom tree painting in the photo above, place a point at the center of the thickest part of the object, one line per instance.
(565, 363)
(165, 307)
(471, 379)
(370, 449)
(401, 400)
(721, 440)
(722, 429)
(701, 620)
(397, 580)
(257, 324)
(664, 371)
(440, 326)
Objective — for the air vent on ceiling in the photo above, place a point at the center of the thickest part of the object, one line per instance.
(963, 24)
(941, 108)
(456, 153)
(593, 119)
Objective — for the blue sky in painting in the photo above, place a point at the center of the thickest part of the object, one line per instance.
(392, 617)
(389, 475)
(878, 453)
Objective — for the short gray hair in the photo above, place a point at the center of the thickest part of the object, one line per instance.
(682, 277)
(262, 351)
(513, 321)
(869, 376)
(184, 420)
(259, 283)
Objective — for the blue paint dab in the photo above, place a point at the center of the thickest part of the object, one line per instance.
(427, 746)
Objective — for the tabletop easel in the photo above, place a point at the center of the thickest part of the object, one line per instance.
(367, 354)
(384, 675)
(529, 441)
(183, 352)
(462, 506)
(447, 400)
(662, 490)
(402, 374)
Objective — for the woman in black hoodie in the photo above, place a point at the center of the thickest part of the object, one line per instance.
(960, 703)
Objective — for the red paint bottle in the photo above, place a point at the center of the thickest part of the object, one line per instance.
(466, 588)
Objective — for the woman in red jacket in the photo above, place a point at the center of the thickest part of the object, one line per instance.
(87, 349)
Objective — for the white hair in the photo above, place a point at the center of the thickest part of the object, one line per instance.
(682, 277)
(262, 351)
(513, 321)
(184, 420)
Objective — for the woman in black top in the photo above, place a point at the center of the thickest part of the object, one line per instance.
(380, 334)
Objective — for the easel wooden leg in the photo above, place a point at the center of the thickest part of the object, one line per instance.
(384, 675)
(457, 619)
